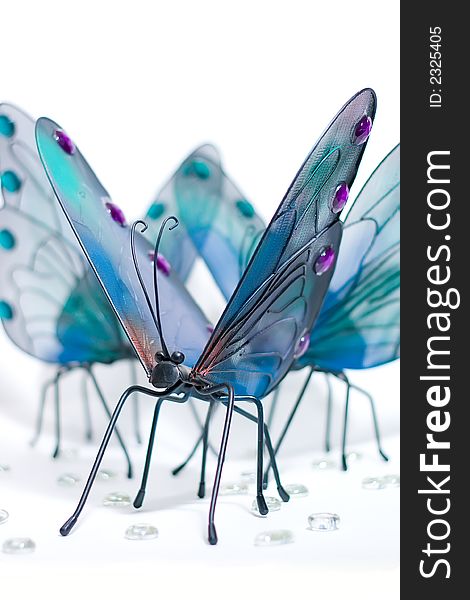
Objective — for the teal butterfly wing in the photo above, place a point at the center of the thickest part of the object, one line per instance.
(105, 238)
(359, 324)
(264, 326)
(179, 248)
(51, 305)
(220, 221)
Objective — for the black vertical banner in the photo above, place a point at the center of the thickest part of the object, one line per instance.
(435, 265)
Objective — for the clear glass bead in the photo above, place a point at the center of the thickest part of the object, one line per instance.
(4, 468)
(233, 489)
(277, 537)
(323, 521)
(248, 476)
(105, 475)
(19, 546)
(353, 457)
(141, 531)
(296, 490)
(68, 480)
(391, 481)
(116, 499)
(272, 503)
(323, 464)
(3, 516)
(373, 483)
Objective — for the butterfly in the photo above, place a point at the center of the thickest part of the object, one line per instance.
(358, 325)
(275, 303)
(51, 304)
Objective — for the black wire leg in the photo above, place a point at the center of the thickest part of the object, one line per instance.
(282, 492)
(108, 413)
(205, 444)
(135, 403)
(344, 461)
(273, 407)
(212, 533)
(374, 418)
(69, 524)
(139, 499)
(56, 452)
(288, 424)
(329, 412)
(40, 416)
(86, 410)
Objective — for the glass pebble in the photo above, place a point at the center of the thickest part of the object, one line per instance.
(69, 454)
(323, 464)
(116, 499)
(391, 481)
(141, 531)
(233, 489)
(352, 457)
(373, 483)
(3, 516)
(277, 537)
(296, 490)
(68, 480)
(248, 476)
(323, 521)
(272, 503)
(4, 468)
(19, 546)
(105, 475)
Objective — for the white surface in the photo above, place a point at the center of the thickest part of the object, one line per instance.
(137, 85)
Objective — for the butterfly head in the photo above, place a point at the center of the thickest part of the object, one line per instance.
(168, 371)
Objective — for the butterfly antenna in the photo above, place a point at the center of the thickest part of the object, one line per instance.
(141, 281)
(155, 278)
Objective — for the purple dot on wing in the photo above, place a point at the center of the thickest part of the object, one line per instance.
(340, 197)
(64, 141)
(325, 261)
(162, 263)
(116, 213)
(362, 130)
(302, 345)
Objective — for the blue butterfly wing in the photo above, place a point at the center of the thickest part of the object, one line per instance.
(220, 221)
(105, 241)
(359, 324)
(179, 248)
(52, 305)
(279, 296)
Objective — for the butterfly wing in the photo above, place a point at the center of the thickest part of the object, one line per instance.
(179, 248)
(220, 221)
(50, 306)
(359, 324)
(274, 306)
(100, 227)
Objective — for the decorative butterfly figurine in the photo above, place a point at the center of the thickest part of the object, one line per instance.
(51, 304)
(275, 304)
(358, 325)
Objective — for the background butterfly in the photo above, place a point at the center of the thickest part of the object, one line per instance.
(276, 302)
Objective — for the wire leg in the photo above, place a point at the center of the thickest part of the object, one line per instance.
(345, 423)
(136, 403)
(282, 493)
(86, 410)
(212, 533)
(272, 409)
(56, 452)
(42, 406)
(108, 412)
(139, 499)
(205, 444)
(374, 419)
(288, 423)
(68, 525)
(329, 411)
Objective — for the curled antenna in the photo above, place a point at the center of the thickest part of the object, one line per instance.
(155, 279)
(141, 281)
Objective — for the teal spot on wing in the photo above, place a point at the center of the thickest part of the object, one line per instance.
(198, 168)
(10, 181)
(7, 127)
(7, 239)
(156, 210)
(6, 311)
(245, 208)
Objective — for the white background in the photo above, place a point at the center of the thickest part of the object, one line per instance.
(138, 85)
